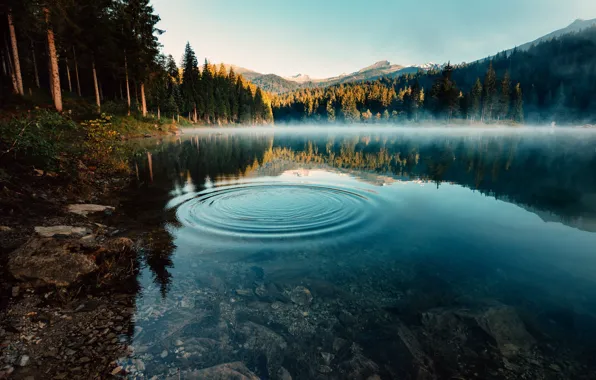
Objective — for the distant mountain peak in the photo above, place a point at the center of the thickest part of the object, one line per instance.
(300, 78)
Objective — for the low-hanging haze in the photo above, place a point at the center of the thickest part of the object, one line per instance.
(330, 37)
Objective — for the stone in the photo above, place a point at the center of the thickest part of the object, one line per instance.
(227, 371)
(179, 343)
(301, 296)
(324, 369)
(244, 292)
(327, 357)
(61, 230)
(50, 261)
(283, 374)
(164, 354)
(140, 365)
(24, 360)
(339, 343)
(84, 359)
(503, 324)
(15, 291)
(116, 370)
(85, 209)
(5, 229)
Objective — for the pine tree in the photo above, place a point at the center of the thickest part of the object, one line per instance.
(518, 104)
(490, 91)
(505, 96)
(330, 111)
(476, 101)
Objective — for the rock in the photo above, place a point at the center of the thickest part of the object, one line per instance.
(164, 354)
(327, 357)
(5, 229)
(84, 359)
(283, 374)
(24, 360)
(301, 296)
(140, 365)
(265, 341)
(85, 209)
(116, 370)
(339, 343)
(15, 291)
(503, 324)
(228, 371)
(62, 230)
(324, 369)
(179, 343)
(244, 292)
(89, 242)
(50, 261)
(358, 367)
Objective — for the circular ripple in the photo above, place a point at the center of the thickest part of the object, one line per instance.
(274, 210)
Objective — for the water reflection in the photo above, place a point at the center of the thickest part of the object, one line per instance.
(359, 255)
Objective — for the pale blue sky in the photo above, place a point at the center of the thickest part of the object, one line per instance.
(323, 38)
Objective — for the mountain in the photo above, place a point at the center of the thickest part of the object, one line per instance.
(277, 84)
(576, 26)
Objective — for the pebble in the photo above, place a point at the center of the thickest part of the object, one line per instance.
(301, 296)
(15, 291)
(117, 370)
(244, 292)
(164, 354)
(555, 367)
(179, 343)
(140, 365)
(327, 357)
(325, 369)
(84, 359)
(24, 360)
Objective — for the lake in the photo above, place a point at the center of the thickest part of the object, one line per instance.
(305, 253)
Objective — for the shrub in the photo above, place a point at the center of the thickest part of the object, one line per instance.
(37, 138)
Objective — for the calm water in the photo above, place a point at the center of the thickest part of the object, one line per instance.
(352, 254)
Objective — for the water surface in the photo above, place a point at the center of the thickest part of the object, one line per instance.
(331, 254)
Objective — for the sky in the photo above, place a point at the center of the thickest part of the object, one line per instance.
(324, 38)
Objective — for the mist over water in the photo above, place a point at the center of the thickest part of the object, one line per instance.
(308, 249)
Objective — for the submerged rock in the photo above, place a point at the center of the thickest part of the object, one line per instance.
(85, 209)
(227, 371)
(51, 261)
(301, 296)
(62, 230)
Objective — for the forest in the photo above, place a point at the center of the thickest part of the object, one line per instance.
(551, 82)
(107, 53)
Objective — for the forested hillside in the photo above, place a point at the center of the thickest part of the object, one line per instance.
(107, 52)
(550, 82)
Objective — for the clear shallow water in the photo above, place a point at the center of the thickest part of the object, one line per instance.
(353, 254)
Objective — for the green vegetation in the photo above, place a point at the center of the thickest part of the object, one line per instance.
(106, 55)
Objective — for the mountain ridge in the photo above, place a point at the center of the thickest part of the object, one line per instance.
(278, 84)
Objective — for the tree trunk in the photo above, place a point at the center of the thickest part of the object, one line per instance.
(4, 68)
(15, 86)
(15, 56)
(127, 85)
(74, 53)
(100, 91)
(136, 95)
(158, 113)
(55, 77)
(121, 92)
(195, 114)
(68, 75)
(144, 103)
(35, 65)
(96, 85)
